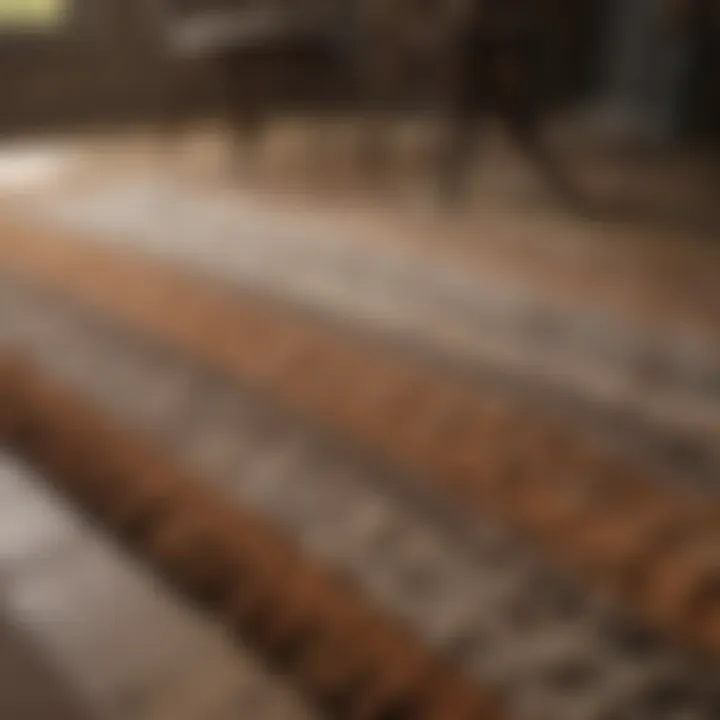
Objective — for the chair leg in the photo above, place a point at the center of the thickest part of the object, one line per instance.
(458, 152)
(528, 136)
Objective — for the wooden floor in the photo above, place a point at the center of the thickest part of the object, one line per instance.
(100, 635)
(89, 634)
(615, 314)
(29, 688)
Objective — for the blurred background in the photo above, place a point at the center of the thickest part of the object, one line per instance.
(629, 89)
(520, 199)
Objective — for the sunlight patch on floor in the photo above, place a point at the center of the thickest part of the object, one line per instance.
(32, 167)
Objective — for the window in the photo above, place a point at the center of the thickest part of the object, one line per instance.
(33, 14)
